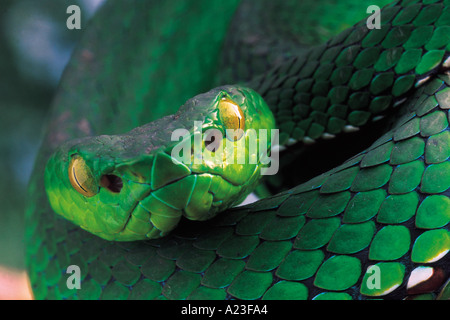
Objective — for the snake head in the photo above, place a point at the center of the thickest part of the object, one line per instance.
(196, 163)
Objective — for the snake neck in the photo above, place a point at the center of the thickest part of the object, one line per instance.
(327, 92)
(339, 86)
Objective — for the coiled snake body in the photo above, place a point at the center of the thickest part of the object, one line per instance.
(376, 225)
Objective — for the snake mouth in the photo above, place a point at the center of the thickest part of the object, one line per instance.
(165, 189)
(199, 196)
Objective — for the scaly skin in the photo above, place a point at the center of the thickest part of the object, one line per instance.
(387, 206)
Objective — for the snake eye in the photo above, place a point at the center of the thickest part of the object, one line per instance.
(232, 117)
(81, 177)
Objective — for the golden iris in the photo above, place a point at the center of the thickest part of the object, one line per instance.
(81, 177)
(232, 117)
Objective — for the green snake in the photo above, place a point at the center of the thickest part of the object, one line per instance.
(108, 195)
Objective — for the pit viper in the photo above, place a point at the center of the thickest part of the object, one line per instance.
(108, 196)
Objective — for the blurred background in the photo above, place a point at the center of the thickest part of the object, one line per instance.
(35, 45)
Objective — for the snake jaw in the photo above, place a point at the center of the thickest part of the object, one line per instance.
(200, 197)
(144, 207)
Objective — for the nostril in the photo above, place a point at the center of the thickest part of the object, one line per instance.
(111, 182)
